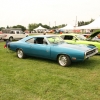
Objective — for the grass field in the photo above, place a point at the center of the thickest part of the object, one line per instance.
(41, 79)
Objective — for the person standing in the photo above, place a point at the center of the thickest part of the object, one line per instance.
(44, 33)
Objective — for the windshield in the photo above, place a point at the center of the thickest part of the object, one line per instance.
(81, 37)
(55, 40)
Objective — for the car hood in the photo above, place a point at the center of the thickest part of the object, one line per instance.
(93, 35)
(80, 47)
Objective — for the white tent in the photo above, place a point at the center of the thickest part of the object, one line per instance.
(93, 25)
(68, 27)
(83, 27)
(40, 28)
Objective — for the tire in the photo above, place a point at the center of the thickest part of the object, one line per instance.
(10, 38)
(20, 54)
(64, 60)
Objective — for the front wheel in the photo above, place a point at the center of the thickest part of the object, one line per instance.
(20, 54)
(64, 60)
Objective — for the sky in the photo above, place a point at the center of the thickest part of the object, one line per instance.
(47, 12)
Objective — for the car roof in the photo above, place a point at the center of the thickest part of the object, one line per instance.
(32, 36)
(42, 35)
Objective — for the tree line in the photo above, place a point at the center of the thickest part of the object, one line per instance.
(35, 25)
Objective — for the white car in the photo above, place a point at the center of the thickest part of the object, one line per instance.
(14, 35)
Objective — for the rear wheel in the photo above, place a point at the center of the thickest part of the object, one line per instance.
(64, 60)
(10, 38)
(20, 54)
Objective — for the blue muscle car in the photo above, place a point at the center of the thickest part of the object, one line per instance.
(52, 47)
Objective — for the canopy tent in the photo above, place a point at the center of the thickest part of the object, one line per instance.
(93, 25)
(83, 27)
(68, 27)
(40, 28)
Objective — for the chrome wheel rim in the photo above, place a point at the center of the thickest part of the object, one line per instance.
(20, 53)
(10, 38)
(62, 60)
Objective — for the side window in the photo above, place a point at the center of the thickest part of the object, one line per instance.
(31, 40)
(39, 40)
(17, 32)
(53, 40)
(62, 36)
(68, 37)
(21, 32)
(12, 32)
(44, 41)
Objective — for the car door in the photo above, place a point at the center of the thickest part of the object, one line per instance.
(20, 34)
(39, 49)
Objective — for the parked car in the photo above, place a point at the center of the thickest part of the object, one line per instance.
(86, 35)
(52, 47)
(13, 34)
(75, 38)
(0, 36)
(96, 38)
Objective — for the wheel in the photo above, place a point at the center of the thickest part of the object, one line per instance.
(20, 54)
(64, 60)
(10, 38)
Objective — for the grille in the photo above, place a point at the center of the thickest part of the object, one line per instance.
(91, 53)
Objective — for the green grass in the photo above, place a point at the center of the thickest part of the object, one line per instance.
(41, 79)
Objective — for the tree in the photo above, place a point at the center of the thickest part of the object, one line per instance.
(81, 23)
(1, 28)
(20, 26)
(59, 26)
(46, 26)
(32, 26)
(7, 26)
